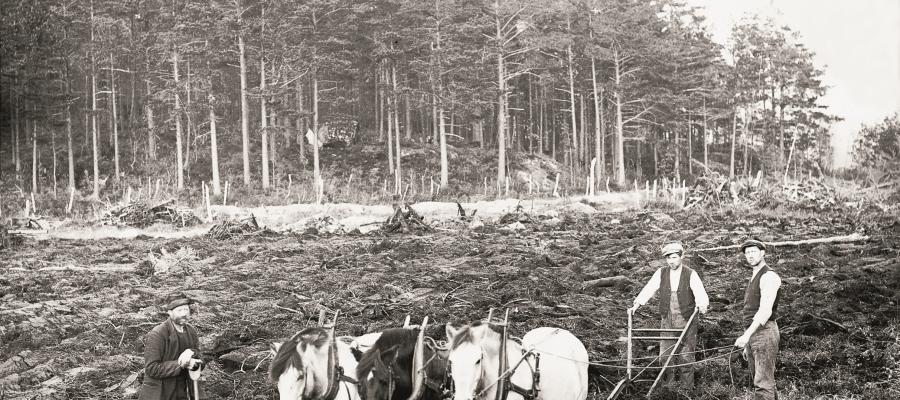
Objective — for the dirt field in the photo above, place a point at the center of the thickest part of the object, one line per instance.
(73, 313)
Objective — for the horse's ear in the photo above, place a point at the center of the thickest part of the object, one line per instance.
(379, 363)
(274, 347)
(451, 332)
(479, 332)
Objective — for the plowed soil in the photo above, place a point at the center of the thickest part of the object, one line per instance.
(73, 313)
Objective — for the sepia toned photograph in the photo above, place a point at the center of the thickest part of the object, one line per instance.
(450, 199)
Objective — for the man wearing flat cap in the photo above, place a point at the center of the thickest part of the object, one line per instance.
(680, 292)
(170, 351)
(760, 340)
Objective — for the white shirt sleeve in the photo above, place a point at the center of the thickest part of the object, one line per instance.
(769, 284)
(701, 299)
(649, 289)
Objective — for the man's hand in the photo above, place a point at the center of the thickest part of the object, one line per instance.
(702, 310)
(185, 358)
(192, 363)
(633, 309)
(745, 354)
(741, 341)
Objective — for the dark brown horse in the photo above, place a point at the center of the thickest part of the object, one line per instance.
(386, 371)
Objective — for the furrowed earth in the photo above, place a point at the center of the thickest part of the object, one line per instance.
(74, 312)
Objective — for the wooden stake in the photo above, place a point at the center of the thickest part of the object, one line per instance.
(206, 195)
(71, 200)
(556, 186)
(225, 195)
(593, 177)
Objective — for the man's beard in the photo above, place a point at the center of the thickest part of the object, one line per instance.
(181, 320)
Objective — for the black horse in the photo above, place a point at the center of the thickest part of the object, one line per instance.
(385, 371)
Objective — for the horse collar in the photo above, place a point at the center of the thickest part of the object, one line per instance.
(336, 375)
(527, 394)
(391, 382)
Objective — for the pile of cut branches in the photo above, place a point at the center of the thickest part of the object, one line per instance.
(140, 214)
(405, 221)
(231, 228)
(711, 189)
(519, 215)
(716, 190)
(809, 194)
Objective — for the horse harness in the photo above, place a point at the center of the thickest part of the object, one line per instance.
(505, 380)
(336, 373)
(334, 384)
(433, 384)
(509, 386)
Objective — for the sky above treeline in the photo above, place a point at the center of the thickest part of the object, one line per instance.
(856, 42)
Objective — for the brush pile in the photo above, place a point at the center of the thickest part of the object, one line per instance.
(405, 220)
(140, 214)
(717, 190)
(229, 229)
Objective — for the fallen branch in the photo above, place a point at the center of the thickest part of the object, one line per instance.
(605, 282)
(834, 323)
(289, 309)
(854, 237)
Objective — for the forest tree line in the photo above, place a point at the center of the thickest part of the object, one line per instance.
(616, 88)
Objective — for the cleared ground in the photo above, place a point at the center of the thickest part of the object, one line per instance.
(74, 312)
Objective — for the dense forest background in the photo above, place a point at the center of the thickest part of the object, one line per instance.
(199, 91)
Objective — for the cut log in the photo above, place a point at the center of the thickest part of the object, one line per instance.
(854, 237)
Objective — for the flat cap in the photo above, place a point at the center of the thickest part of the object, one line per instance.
(671, 248)
(753, 243)
(177, 300)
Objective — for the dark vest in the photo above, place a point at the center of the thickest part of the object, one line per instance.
(685, 294)
(752, 295)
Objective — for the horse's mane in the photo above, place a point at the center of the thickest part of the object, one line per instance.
(288, 356)
(465, 334)
(398, 337)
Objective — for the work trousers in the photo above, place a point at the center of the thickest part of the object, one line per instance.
(762, 351)
(684, 354)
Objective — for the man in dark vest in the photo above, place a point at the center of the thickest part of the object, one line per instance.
(170, 351)
(760, 340)
(680, 292)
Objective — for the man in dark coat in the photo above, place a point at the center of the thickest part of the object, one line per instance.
(170, 351)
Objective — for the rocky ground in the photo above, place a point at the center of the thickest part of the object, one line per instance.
(73, 313)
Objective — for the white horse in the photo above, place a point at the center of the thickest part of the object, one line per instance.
(475, 361)
(300, 367)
